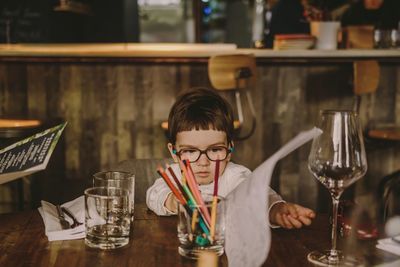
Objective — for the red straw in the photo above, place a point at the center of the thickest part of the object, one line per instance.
(178, 183)
(216, 175)
(175, 191)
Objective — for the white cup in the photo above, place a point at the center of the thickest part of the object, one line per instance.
(326, 33)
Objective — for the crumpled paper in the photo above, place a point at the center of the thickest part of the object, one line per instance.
(247, 237)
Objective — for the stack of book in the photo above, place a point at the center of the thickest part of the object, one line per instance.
(293, 41)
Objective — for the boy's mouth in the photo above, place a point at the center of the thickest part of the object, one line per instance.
(202, 174)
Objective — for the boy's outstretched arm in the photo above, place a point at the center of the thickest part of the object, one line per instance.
(156, 197)
(289, 215)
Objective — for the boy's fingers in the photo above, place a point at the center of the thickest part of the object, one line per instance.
(292, 210)
(294, 216)
(294, 222)
(305, 220)
(286, 222)
(304, 211)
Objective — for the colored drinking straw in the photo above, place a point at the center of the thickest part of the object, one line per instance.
(177, 182)
(186, 194)
(183, 188)
(195, 216)
(189, 204)
(214, 202)
(175, 191)
(185, 166)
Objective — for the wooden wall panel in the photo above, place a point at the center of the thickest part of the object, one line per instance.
(114, 111)
(14, 90)
(126, 112)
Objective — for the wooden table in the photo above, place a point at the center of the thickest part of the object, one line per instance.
(153, 243)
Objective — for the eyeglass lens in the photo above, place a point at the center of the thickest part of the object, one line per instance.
(212, 153)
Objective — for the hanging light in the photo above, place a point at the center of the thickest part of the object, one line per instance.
(73, 7)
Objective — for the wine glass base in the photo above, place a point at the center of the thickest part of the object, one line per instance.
(324, 259)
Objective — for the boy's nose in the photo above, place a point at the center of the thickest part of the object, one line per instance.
(203, 160)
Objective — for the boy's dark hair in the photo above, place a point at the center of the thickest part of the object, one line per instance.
(200, 109)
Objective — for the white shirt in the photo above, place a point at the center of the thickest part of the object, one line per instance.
(233, 175)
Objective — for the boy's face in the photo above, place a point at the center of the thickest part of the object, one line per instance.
(203, 168)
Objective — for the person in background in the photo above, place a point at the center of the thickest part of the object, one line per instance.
(383, 14)
(200, 129)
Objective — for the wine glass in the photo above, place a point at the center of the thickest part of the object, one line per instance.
(337, 159)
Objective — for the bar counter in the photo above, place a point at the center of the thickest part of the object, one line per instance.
(115, 96)
(180, 52)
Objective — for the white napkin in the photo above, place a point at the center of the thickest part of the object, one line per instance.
(389, 245)
(52, 224)
(248, 241)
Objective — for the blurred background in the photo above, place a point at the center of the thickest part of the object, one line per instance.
(243, 22)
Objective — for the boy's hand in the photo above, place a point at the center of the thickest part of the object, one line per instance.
(289, 215)
(171, 203)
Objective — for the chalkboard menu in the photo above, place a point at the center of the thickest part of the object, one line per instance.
(24, 21)
(29, 155)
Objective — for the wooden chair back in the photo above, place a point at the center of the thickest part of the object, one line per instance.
(366, 81)
(366, 76)
(236, 72)
(223, 71)
(359, 36)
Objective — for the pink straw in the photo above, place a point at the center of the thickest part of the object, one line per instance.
(194, 188)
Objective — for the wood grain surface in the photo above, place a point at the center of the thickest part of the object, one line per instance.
(154, 242)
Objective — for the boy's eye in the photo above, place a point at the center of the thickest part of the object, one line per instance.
(188, 151)
(216, 149)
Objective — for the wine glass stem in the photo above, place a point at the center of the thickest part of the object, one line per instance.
(333, 254)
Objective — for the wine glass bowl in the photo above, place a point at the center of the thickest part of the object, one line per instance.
(337, 159)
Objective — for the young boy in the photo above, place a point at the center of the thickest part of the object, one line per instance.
(200, 129)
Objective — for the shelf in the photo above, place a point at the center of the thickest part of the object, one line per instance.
(176, 53)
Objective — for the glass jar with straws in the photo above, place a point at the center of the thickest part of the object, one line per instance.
(201, 217)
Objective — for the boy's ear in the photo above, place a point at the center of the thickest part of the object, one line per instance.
(231, 149)
(172, 151)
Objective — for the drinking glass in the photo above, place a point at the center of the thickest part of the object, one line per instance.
(337, 159)
(118, 179)
(107, 217)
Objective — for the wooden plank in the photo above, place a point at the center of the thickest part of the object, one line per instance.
(71, 95)
(153, 242)
(114, 111)
(15, 83)
(126, 111)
